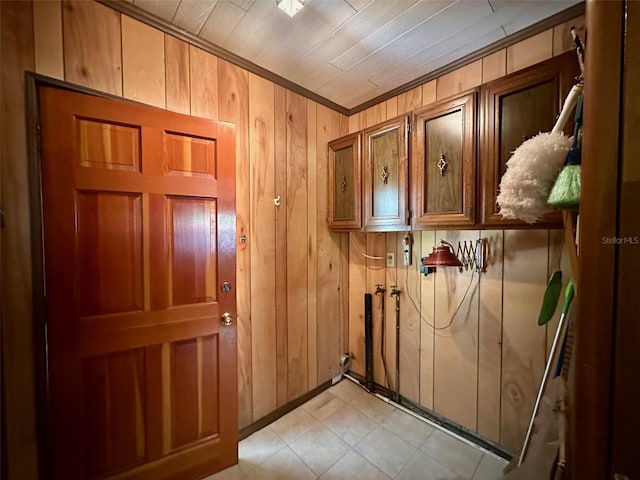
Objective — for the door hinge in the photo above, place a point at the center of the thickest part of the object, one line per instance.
(409, 127)
(39, 137)
(409, 214)
(1, 218)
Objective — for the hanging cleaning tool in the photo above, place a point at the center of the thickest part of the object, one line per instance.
(566, 191)
(568, 298)
(551, 296)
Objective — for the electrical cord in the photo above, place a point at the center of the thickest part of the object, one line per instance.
(361, 252)
(415, 306)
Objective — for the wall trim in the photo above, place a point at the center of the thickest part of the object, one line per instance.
(283, 410)
(137, 13)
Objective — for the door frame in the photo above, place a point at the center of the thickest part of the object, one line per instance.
(33, 82)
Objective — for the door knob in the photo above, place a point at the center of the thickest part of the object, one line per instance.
(226, 319)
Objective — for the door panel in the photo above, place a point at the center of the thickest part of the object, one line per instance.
(139, 229)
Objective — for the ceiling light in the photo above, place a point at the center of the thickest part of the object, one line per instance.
(290, 7)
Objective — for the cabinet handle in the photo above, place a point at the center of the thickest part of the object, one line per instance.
(442, 164)
(343, 184)
(385, 175)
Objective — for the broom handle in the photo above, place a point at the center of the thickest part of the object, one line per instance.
(569, 104)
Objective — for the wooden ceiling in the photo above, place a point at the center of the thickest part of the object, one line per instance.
(351, 51)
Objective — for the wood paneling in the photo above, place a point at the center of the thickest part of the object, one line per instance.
(490, 337)
(233, 101)
(297, 245)
(47, 28)
(429, 92)
(357, 286)
(562, 40)
(143, 65)
(494, 66)
(19, 418)
(178, 86)
(464, 78)
(427, 325)
(203, 78)
(523, 341)
(312, 245)
(92, 46)
(528, 52)
(262, 243)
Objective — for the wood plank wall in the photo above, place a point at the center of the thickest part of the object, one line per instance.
(294, 319)
(483, 372)
(290, 271)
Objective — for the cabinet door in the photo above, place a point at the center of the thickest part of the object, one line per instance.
(386, 175)
(443, 162)
(345, 210)
(517, 107)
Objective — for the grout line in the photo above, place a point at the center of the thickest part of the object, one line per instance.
(427, 421)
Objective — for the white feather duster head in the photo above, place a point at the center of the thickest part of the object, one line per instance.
(531, 172)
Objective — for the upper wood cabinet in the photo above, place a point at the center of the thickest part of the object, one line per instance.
(345, 179)
(386, 175)
(443, 160)
(515, 108)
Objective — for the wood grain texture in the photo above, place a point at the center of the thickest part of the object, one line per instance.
(427, 318)
(233, 101)
(177, 83)
(410, 100)
(297, 245)
(523, 341)
(19, 420)
(95, 63)
(459, 80)
(375, 114)
(376, 247)
(281, 226)
(490, 337)
(429, 92)
(329, 256)
(262, 244)
(494, 66)
(530, 51)
(143, 64)
(357, 288)
(408, 281)
(47, 29)
(392, 108)
(203, 79)
(456, 342)
(562, 39)
(312, 245)
(391, 332)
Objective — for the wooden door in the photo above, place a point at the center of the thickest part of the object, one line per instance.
(344, 209)
(386, 176)
(139, 238)
(444, 163)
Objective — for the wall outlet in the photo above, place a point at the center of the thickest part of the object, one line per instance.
(391, 259)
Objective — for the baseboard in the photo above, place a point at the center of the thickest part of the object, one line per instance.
(283, 410)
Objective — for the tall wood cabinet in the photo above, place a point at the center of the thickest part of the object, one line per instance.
(444, 163)
(386, 175)
(517, 107)
(345, 181)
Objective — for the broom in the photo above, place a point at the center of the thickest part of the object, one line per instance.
(566, 191)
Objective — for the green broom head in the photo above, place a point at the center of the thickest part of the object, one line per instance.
(566, 191)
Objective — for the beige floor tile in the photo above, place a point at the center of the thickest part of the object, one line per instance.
(489, 469)
(323, 405)
(284, 465)
(452, 453)
(423, 467)
(347, 390)
(349, 424)
(231, 473)
(354, 467)
(385, 450)
(294, 424)
(407, 427)
(319, 449)
(372, 407)
(257, 448)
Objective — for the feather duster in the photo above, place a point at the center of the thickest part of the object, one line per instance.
(534, 167)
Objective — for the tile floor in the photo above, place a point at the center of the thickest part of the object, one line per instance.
(347, 433)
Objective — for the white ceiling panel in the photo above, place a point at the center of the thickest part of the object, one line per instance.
(352, 51)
